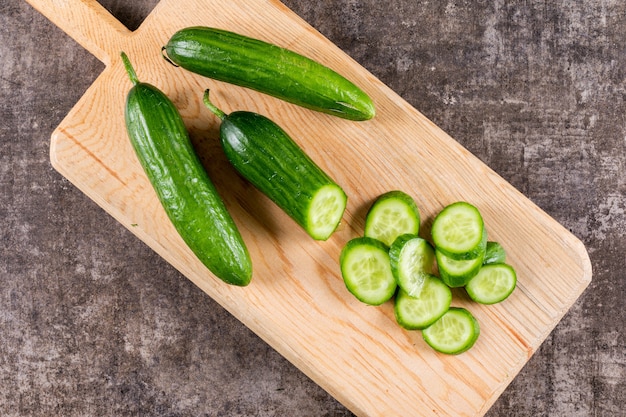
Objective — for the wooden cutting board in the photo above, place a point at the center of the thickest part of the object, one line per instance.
(297, 301)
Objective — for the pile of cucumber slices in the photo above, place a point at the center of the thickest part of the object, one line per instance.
(392, 260)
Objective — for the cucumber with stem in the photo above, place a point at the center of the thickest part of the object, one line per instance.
(267, 68)
(264, 154)
(191, 201)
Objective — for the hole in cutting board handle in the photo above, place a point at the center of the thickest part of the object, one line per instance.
(130, 13)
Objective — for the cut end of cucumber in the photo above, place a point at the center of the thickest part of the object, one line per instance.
(454, 333)
(325, 212)
(392, 214)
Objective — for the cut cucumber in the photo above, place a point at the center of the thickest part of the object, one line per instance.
(457, 273)
(414, 313)
(493, 283)
(366, 270)
(453, 333)
(265, 155)
(392, 214)
(412, 258)
(458, 231)
(494, 253)
(325, 211)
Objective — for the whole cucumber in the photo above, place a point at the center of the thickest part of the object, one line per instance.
(191, 201)
(264, 154)
(267, 68)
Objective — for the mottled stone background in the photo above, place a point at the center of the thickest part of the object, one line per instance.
(93, 323)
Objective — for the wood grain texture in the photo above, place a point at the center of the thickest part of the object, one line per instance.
(297, 301)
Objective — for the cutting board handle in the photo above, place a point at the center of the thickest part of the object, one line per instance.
(88, 23)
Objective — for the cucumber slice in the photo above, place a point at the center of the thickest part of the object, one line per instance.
(412, 258)
(415, 313)
(455, 332)
(392, 214)
(459, 231)
(366, 270)
(457, 273)
(494, 253)
(493, 283)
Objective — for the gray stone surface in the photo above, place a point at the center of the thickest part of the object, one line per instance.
(93, 323)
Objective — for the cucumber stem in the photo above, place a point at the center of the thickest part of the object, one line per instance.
(212, 107)
(129, 69)
(167, 58)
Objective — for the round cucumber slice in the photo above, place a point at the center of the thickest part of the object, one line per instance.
(326, 210)
(366, 270)
(458, 231)
(415, 313)
(453, 333)
(493, 283)
(457, 273)
(412, 258)
(392, 214)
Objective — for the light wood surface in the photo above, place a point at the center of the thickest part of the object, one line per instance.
(297, 301)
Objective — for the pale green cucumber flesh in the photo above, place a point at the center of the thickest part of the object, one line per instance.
(366, 270)
(493, 284)
(412, 259)
(325, 212)
(414, 313)
(458, 231)
(391, 215)
(453, 333)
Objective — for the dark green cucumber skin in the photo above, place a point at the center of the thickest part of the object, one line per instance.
(268, 68)
(494, 253)
(265, 155)
(191, 201)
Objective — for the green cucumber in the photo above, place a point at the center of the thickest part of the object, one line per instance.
(493, 283)
(264, 154)
(453, 333)
(494, 253)
(415, 313)
(457, 273)
(459, 232)
(366, 270)
(394, 213)
(412, 259)
(161, 142)
(267, 68)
